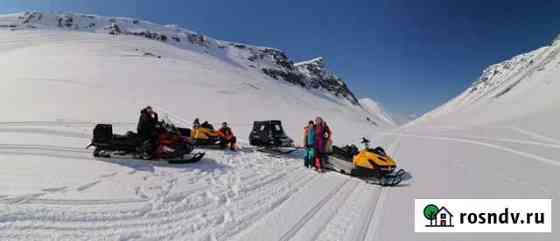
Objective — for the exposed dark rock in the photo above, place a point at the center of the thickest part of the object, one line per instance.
(318, 76)
(114, 29)
(291, 77)
(198, 39)
(65, 21)
(239, 46)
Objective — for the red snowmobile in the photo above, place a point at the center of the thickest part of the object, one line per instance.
(167, 144)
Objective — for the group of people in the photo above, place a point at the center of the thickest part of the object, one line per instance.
(317, 139)
(148, 125)
(317, 136)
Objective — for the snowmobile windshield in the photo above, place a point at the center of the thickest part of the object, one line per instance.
(168, 125)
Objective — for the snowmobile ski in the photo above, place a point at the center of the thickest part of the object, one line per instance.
(390, 179)
(277, 150)
(193, 157)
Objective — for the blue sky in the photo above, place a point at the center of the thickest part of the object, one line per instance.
(409, 55)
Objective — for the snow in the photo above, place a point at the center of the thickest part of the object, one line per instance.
(376, 110)
(58, 83)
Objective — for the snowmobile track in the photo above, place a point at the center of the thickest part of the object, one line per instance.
(336, 212)
(153, 217)
(373, 216)
(295, 228)
(493, 146)
(48, 132)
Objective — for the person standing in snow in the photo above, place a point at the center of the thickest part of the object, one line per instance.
(309, 144)
(322, 136)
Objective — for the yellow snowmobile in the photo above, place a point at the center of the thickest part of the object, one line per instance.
(372, 165)
(205, 136)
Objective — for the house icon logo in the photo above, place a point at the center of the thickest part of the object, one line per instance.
(438, 217)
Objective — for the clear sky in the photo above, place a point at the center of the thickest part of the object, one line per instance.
(409, 55)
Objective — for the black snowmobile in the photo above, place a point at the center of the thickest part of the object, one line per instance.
(269, 136)
(168, 144)
(373, 165)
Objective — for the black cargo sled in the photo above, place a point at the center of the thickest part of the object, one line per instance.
(168, 144)
(269, 136)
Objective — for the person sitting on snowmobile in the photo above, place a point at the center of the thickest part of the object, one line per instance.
(309, 144)
(207, 125)
(147, 123)
(322, 138)
(204, 133)
(147, 127)
(227, 136)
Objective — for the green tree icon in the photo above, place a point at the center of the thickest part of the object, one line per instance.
(430, 212)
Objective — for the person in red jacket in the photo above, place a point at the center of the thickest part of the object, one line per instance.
(228, 137)
(322, 135)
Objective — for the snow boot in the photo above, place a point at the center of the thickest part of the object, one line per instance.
(318, 165)
(309, 157)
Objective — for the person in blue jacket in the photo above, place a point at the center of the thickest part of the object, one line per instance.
(309, 139)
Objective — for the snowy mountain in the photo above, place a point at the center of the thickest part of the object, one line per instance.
(272, 62)
(63, 73)
(376, 110)
(189, 67)
(317, 76)
(520, 91)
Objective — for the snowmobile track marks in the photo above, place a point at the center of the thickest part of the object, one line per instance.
(303, 220)
(87, 186)
(493, 146)
(24, 198)
(152, 218)
(336, 212)
(48, 132)
(365, 225)
(108, 175)
(55, 189)
(535, 135)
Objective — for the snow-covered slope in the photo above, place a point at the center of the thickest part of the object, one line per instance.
(61, 74)
(520, 91)
(272, 62)
(57, 82)
(377, 112)
(105, 69)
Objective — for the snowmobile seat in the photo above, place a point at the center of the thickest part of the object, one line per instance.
(379, 151)
(130, 135)
(345, 153)
(185, 131)
(102, 133)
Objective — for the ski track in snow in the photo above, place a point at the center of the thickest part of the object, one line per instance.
(536, 135)
(493, 146)
(377, 213)
(241, 203)
(202, 208)
(311, 213)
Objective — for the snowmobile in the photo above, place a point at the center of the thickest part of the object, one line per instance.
(205, 136)
(269, 136)
(373, 165)
(169, 144)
